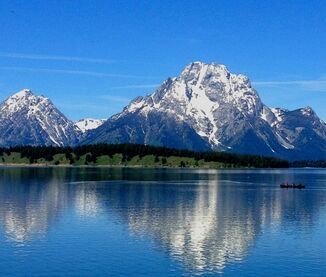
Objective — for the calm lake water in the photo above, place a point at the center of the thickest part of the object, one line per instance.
(161, 222)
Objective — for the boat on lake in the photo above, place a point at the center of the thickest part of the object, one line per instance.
(292, 186)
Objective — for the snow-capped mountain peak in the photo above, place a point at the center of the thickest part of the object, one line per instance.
(308, 111)
(26, 118)
(87, 124)
(208, 107)
(21, 94)
(200, 95)
(24, 100)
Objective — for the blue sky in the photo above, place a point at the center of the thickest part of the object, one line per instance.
(92, 57)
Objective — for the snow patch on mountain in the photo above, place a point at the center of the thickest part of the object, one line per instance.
(87, 124)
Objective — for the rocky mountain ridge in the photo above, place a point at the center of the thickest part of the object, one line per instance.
(220, 111)
(205, 108)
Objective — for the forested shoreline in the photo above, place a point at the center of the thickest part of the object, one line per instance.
(308, 163)
(132, 155)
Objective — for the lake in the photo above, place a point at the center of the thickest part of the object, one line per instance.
(161, 222)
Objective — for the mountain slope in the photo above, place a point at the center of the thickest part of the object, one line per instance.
(302, 133)
(26, 119)
(217, 110)
(154, 129)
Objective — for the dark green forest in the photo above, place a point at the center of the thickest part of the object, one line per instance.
(133, 155)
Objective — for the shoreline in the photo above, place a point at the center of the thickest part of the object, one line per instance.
(137, 166)
(111, 166)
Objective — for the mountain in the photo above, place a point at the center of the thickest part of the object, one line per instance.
(301, 132)
(209, 108)
(205, 108)
(27, 119)
(87, 124)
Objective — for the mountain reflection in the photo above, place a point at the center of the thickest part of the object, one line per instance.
(204, 219)
(30, 201)
(204, 234)
(86, 200)
(201, 224)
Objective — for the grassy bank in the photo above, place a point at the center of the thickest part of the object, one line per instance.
(15, 158)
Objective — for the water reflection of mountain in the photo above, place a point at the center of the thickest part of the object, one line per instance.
(33, 198)
(208, 224)
(205, 220)
(30, 201)
(203, 225)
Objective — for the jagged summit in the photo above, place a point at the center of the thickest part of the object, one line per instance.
(23, 100)
(199, 65)
(22, 93)
(307, 111)
(201, 71)
(26, 118)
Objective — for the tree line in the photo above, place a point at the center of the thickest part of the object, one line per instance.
(308, 163)
(128, 151)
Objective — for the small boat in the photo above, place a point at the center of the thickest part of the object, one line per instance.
(292, 186)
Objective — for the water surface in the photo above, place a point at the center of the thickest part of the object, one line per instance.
(161, 222)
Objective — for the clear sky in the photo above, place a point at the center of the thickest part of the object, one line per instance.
(92, 57)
